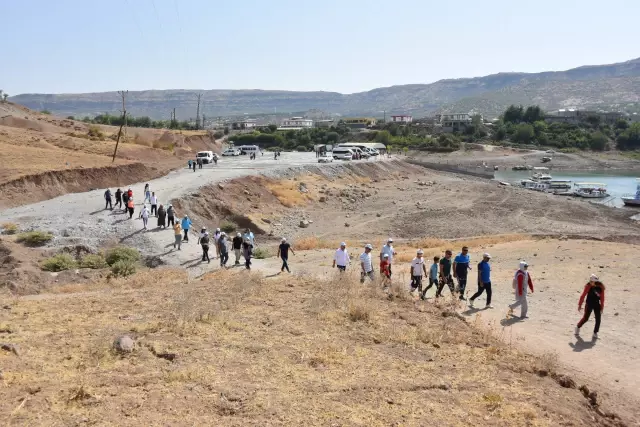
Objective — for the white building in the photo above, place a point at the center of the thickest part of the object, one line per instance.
(454, 122)
(402, 118)
(297, 122)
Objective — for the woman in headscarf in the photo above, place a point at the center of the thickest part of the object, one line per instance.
(521, 280)
(247, 249)
(162, 214)
(594, 293)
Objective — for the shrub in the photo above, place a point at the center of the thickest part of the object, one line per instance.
(122, 253)
(359, 312)
(94, 261)
(59, 262)
(95, 132)
(47, 112)
(123, 268)
(34, 238)
(9, 228)
(261, 253)
(228, 227)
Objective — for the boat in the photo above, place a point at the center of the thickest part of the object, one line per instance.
(538, 176)
(534, 185)
(633, 200)
(560, 184)
(590, 190)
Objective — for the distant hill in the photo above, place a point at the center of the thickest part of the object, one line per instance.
(589, 86)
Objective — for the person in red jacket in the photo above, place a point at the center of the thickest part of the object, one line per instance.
(594, 293)
(521, 280)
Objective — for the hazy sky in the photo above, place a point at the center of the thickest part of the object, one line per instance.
(333, 45)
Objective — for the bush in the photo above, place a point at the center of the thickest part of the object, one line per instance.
(34, 238)
(47, 112)
(95, 132)
(9, 228)
(58, 262)
(228, 227)
(123, 268)
(122, 253)
(359, 312)
(94, 261)
(218, 134)
(261, 253)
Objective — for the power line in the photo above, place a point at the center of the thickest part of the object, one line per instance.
(156, 12)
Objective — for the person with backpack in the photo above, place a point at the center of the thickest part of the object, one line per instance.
(204, 241)
(521, 281)
(107, 198)
(594, 293)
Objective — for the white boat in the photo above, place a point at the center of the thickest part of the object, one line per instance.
(633, 200)
(560, 184)
(590, 190)
(538, 176)
(534, 185)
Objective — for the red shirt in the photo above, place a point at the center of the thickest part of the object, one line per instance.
(384, 268)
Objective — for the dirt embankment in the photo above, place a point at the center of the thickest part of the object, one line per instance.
(47, 185)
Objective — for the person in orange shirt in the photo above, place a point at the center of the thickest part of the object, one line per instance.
(130, 206)
(594, 293)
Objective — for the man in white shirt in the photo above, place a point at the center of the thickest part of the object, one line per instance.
(417, 268)
(387, 249)
(154, 204)
(341, 258)
(366, 265)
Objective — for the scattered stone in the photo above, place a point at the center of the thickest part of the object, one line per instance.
(566, 381)
(124, 344)
(378, 215)
(12, 348)
(304, 223)
(220, 186)
(323, 199)
(346, 224)
(266, 220)
(246, 192)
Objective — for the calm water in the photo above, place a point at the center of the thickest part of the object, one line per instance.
(619, 183)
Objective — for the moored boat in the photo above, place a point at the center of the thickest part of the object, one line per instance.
(633, 200)
(590, 190)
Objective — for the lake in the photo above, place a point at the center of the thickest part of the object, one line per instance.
(619, 183)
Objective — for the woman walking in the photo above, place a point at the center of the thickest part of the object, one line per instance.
(247, 248)
(171, 215)
(145, 216)
(130, 206)
(594, 293)
(177, 233)
(162, 214)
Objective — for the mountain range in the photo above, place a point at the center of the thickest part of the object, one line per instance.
(612, 86)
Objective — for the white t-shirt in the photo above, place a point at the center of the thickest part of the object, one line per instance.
(416, 266)
(341, 257)
(388, 250)
(365, 258)
(154, 200)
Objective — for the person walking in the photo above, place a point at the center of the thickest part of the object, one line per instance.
(147, 193)
(484, 281)
(177, 233)
(247, 252)
(387, 249)
(189, 163)
(130, 207)
(385, 271)
(171, 215)
(193, 164)
(237, 247)
(107, 199)
(521, 280)
(154, 204)
(445, 274)
(118, 201)
(594, 294)
(415, 272)
(366, 266)
(203, 240)
(283, 254)
(162, 215)
(125, 201)
(461, 268)
(223, 252)
(341, 258)
(249, 235)
(144, 214)
(216, 238)
(186, 225)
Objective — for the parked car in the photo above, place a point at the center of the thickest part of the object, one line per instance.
(373, 152)
(325, 158)
(231, 152)
(342, 153)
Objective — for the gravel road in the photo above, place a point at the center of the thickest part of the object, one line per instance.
(80, 218)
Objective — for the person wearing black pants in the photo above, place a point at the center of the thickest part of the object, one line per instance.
(460, 269)
(484, 281)
(204, 241)
(107, 198)
(594, 293)
(118, 199)
(283, 253)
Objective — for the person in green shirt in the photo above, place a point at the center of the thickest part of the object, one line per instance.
(445, 274)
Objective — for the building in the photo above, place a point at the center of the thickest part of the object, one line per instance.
(296, 123)
(359, 122)
(244, 124)
(574, 116)
(325, 123)
(402, 119)
(454, 122)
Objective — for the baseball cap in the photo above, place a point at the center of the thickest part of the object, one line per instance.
(343, 244)
(389, 240)
(368, 246)
(420, 252)
(486, 255)
(385, 256)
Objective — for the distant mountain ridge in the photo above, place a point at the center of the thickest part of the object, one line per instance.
(593, 86)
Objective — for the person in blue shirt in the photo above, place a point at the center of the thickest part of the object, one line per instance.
(484, 281)
(460, 269)
(433, 276)
(186, 225)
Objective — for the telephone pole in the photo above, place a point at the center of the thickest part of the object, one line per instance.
(123, 94)
(198, 112)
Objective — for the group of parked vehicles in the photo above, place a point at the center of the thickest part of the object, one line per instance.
(348, 152)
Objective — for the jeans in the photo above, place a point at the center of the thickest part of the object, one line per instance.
(178, 241)
(481, 288)
(108, 204)
(154, 210)
(342, 267)
(145, 220)
(224, 257)
(205, 253)
(462, 284)
(186, 234)
(118, 203)
(432, 282)
(587, 313)
(284, 264)
(236, 252)
(448, 280)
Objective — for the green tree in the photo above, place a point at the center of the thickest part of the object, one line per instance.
(383, 137)
(70, 118)
(540, 127)
(630, 138)
(500, 134)
(513, 114)
(273, 128)
(533, 114)
(333, 137)
(598, 141)
(47, 112)
(594, 121)
(523, 134)
(622, 124)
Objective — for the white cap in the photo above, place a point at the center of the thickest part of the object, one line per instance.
(486, 255)
(343, 244)
(239, 234)
(217, 229)
(368, 246)
(420, 252)
(385, 256)
(389, 240)
(594, 278)
(284, 239)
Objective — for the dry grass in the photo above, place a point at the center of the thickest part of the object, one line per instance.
(288, 193)
(256, 351)
(313, 242)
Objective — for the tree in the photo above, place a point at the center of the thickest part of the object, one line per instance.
(523, 134)
(540, 127)
(594, 121)
(500, 134)
(333, 137)
(70, 118)
(513, 114)
(598, 141)
(273, 128)
(630, 138)
(47, 112)
(622, 124)
(4, 97)
(383, 137)
(533, 114)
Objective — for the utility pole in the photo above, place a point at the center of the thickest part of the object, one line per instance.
(198, 112)
(122, 93)
(203, 121)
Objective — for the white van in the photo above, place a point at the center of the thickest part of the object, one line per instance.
(205, 156)
(249, 149)
(342, 153)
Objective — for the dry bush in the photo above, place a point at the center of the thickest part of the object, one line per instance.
(9, 228)
(312, 242)
(359, 311)
(169, 146)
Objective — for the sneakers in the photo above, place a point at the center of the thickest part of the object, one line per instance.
(595, 335)
(470, 303)
(510, 313)
(577, 332)
(488, 306)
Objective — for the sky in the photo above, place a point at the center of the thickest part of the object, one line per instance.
(347, 46)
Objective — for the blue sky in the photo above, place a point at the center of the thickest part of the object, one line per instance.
(345, 46)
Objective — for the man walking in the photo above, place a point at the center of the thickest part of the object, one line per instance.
(341, 257)
(107, 198)
(484, 281)
(433, 277)
(237, 247)
(118, 202)
(144, 214)
(154, 204)
(283, 253)
(416, 270)
(460, 269)
(125, 201)
(223, 252)
(177, 233)
(186, 225)
(521, 280)
(366, 265)
(204, 241)
(387, 249)
(445, 273)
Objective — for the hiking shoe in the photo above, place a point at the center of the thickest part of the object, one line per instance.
(577, 332)
(595, 336)
(470, 303)
(488, 306)
(510, 313)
